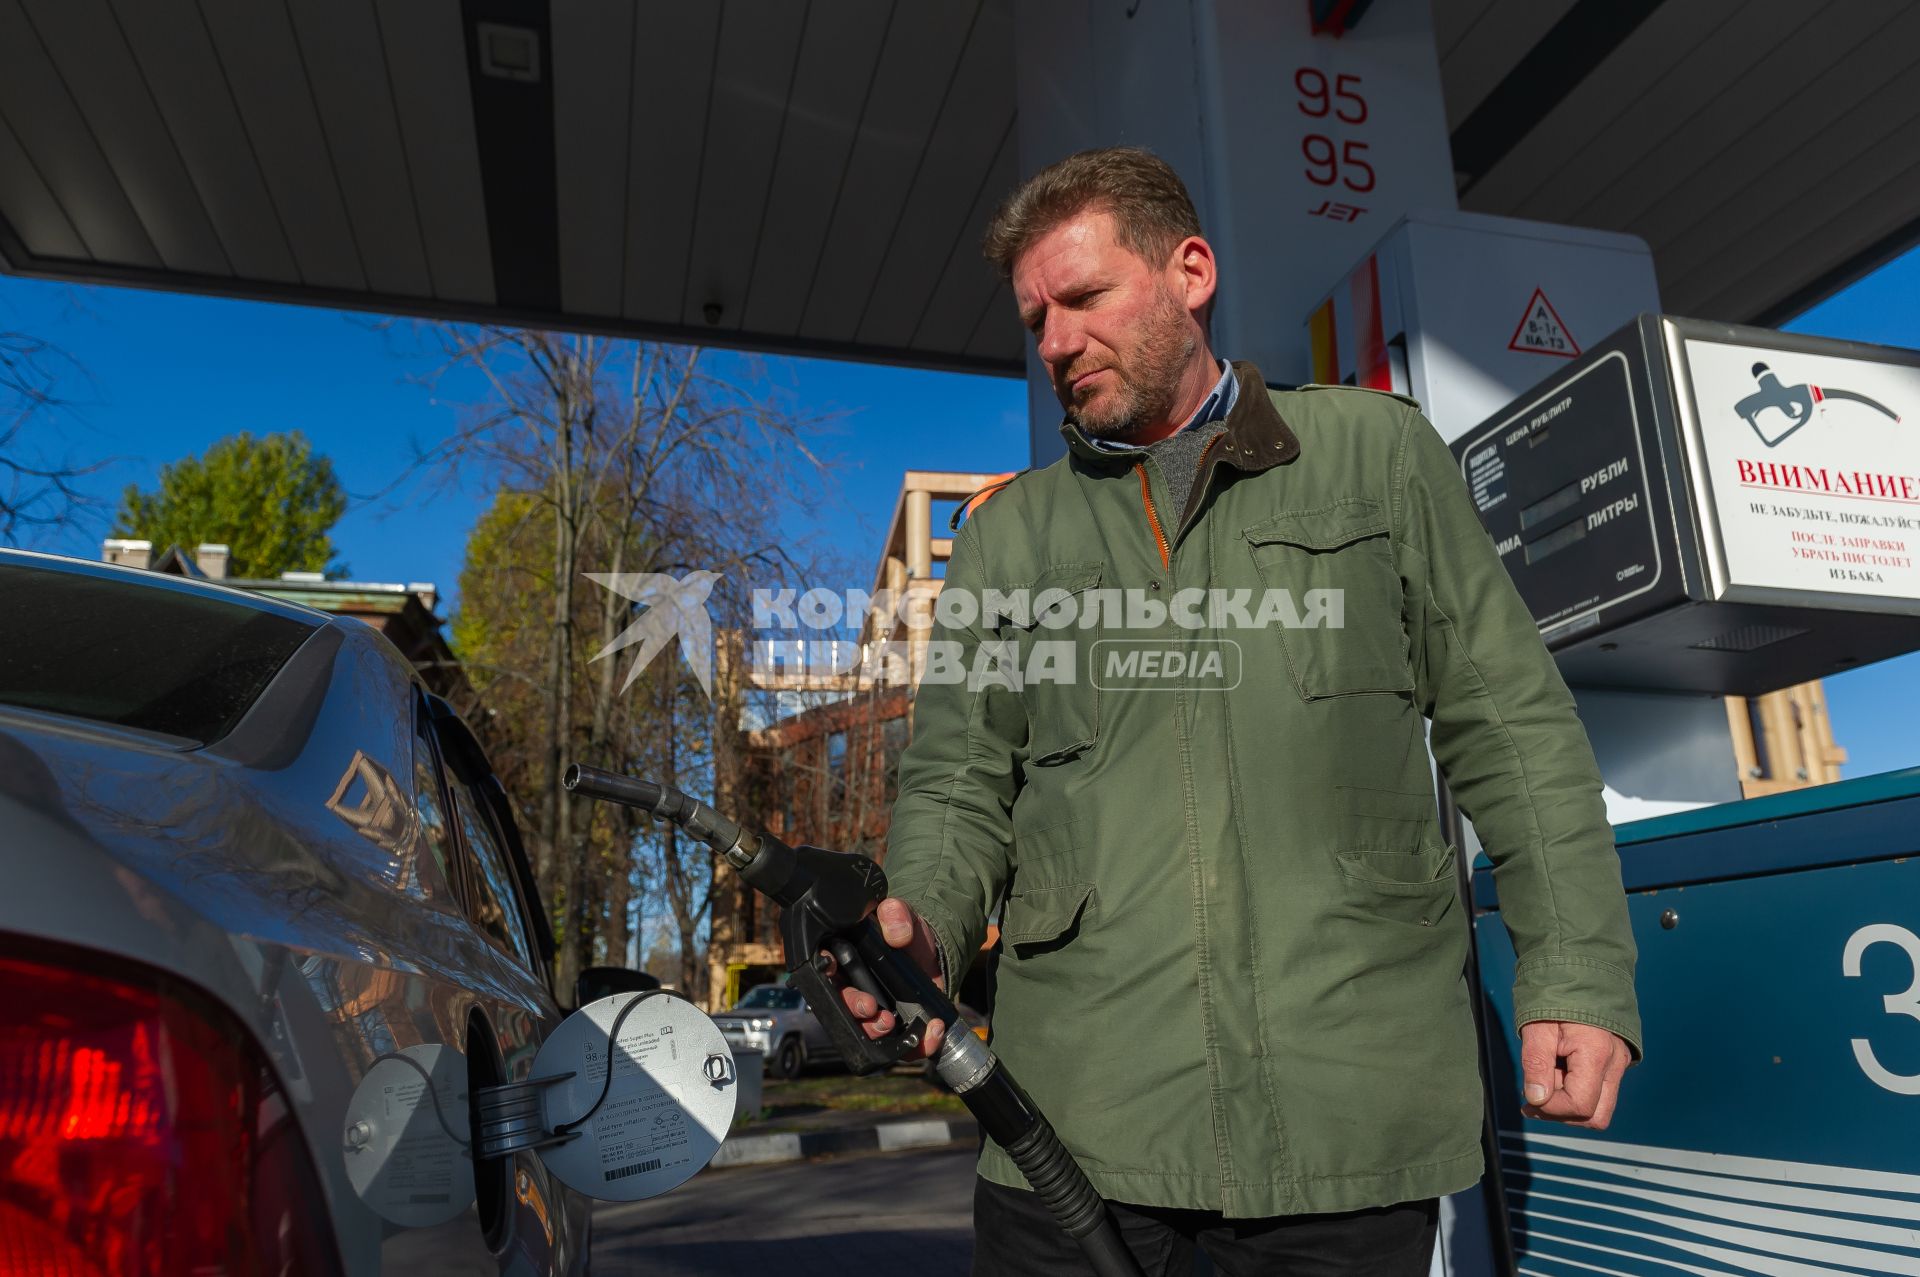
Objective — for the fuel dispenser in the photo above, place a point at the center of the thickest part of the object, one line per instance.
(1703, 508)
(1690, 510)
(1774, 1126)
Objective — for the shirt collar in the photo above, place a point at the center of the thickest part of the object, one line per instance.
(1215, 407)
(1256, 439)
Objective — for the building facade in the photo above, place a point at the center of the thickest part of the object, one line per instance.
(826, 772)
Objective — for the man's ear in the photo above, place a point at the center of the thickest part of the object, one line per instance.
(1195, 275)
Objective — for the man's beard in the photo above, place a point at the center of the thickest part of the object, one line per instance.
(1150, 381)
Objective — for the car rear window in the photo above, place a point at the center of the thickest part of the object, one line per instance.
(151, 657)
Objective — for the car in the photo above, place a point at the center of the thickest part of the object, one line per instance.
(774, 1020)
(249, 863)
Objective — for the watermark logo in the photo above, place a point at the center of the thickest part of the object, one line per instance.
(674, 609)
(1163, 665)
(1054, 608)
(1113, 638)
(1018, 638)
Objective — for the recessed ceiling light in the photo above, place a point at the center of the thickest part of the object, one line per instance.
(509, 53)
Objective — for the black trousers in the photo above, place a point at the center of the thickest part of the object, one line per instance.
(1014, 1236)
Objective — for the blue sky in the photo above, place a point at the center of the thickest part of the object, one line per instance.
(1873, 709)
(158, 376)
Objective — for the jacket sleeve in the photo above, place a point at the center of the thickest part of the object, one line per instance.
(1509, 742)
(948, 847)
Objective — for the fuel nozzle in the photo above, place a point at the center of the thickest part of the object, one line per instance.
(763, 860)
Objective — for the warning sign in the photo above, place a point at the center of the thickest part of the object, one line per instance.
(1541, 332)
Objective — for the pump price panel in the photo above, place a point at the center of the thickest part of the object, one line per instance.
(1678, 514)
(1563, 487)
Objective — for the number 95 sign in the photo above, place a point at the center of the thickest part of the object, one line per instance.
(1362, 133)
(1336, 152)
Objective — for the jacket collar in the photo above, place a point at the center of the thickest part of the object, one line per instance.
(1256, 438)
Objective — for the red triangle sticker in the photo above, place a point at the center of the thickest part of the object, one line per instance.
(1541, 331)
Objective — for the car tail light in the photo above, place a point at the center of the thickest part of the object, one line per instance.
(142, 1133)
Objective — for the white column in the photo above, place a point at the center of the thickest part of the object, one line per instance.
(919, 534)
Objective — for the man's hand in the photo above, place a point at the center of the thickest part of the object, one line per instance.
(903, 929)
(1571, 1072)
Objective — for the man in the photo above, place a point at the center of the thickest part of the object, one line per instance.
(1233, 947)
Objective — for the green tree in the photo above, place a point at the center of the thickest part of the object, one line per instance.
(271, 500)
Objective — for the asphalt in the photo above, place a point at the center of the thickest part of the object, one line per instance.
(885, 1212)
(828, 1192)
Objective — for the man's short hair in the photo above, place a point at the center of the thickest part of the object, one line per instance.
(1146, 198)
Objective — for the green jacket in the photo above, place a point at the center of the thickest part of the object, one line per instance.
(1233, 957)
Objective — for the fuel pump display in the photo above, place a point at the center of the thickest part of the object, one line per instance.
(1699, 507)
(1562, 486)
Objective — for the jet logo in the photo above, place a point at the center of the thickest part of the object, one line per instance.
(1337, 212)
(673, 609)
(1795, 403)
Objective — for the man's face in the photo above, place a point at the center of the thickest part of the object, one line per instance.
(1114, 332)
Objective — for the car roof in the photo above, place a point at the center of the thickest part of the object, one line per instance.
(143, 578)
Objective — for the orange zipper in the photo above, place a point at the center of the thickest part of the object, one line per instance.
(1201, 464)
(1153, 519)
(1146, 498)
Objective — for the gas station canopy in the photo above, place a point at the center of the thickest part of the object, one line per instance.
(814, 178)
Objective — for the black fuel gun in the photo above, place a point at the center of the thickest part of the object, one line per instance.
(826, 903)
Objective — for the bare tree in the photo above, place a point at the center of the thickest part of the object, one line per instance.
(683, 869)
(610, 457)
(34, 491)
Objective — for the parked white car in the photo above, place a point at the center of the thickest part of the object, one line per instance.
(774, 1020)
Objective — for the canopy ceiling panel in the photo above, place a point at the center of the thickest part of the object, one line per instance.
(1477, 53)
(815, 177)
(1722, 132)
(821, 132)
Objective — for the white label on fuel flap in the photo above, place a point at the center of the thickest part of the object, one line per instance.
(668, 1108)
(406, 1138)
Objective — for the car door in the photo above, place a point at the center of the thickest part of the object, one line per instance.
(531, 1222)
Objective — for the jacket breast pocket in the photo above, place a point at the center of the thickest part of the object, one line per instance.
(1043, 919)
(1341, 626)
(1063, 705)
(1419, 888)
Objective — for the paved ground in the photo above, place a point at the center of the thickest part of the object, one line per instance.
(823, 1218)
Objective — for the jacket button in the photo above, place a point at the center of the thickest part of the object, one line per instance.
(1153, 585)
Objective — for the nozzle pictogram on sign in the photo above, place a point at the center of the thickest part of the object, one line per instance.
(1541, 330)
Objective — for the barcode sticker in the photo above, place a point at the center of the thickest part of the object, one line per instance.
(633, 1168)
(652, 1115)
